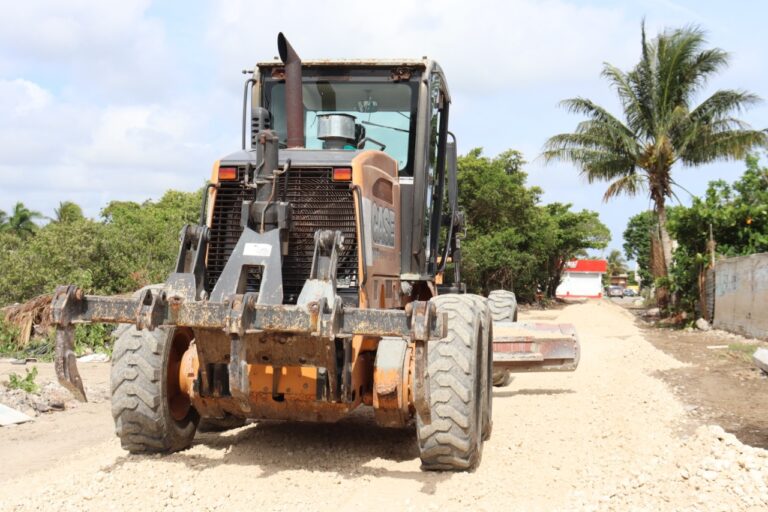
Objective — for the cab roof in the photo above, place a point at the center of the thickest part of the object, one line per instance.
(384, 63)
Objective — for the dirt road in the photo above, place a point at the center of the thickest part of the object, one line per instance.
(610, 436)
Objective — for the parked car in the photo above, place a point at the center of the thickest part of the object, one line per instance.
(629, 292)
(615, 291)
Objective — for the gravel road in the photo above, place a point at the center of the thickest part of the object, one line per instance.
(610, 436)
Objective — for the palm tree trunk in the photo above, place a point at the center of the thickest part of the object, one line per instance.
(661, 268)
(666, 241)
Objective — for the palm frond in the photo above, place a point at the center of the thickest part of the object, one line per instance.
(724, 145)
(629, 184)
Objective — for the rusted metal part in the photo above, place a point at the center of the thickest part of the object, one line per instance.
(294, 103)
(238, 372)
(234, 333)
(66, 362)
(65, 306)
(152, 310)
(262, 406)
(526, 347)
(390, 382)
(420, 384)
(401, 73)
(422, 316)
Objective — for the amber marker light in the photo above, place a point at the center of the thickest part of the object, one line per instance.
(342, 174)
(227, 173)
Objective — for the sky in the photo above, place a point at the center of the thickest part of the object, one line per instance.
(103, 101)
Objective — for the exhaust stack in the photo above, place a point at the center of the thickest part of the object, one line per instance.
(294, 101)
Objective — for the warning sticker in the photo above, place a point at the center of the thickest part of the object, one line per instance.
(257, 250)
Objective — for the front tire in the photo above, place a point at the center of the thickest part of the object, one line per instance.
(151, 413)
(453, 439)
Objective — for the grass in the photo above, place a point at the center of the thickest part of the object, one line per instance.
(743, 350)
(26, 383)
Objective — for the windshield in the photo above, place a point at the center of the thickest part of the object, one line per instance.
(383, 112)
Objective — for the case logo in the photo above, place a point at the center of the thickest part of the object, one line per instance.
(383, 225)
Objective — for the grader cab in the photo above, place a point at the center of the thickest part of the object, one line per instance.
(318, 277)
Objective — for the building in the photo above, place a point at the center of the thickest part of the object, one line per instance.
(620, 280)
(582, 279)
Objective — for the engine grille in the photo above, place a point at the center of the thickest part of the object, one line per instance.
(317, 203)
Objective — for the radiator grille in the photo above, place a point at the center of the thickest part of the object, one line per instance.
(226, 229)
(317, 203)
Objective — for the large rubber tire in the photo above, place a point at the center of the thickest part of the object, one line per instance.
(151, 414)
(452, 440)
(481, 304)
(503, 306)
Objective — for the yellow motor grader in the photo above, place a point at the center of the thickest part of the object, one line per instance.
(316, 281)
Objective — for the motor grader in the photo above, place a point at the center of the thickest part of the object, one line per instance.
(318, 279)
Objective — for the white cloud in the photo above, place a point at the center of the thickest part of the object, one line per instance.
(107, 100)
(484, 46)
(108, 49)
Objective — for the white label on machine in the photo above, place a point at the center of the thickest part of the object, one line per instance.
(263, 250)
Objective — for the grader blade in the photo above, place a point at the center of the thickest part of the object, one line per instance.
(535, 347)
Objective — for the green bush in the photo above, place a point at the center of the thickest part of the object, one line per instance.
(93, 338)
(8, 336)
(26, 383)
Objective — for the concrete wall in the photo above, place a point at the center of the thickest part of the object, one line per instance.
(741, 295)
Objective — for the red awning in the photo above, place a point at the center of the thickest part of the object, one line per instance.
(600, 266)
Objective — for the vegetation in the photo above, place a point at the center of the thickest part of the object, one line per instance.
(637, 243)
(736, 217)
(617, 265)
(662, 125)
(8, 336)
(26, 383)
(131, 245)
(512, 241)
(21, 221)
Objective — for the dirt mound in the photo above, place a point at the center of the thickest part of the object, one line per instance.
(51, 397)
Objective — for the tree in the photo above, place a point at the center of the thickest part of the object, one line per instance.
(617, 265)
(3, 221)
(21, 222)
(574, 232)
(501, 215)
(662, 128)
(512, 241)
(736, 217)
(68, 212)
(135, 244)
(637, 243)
(143, 239)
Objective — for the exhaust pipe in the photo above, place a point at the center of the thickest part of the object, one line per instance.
(294, 101)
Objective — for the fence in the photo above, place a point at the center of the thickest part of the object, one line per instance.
(741, 295)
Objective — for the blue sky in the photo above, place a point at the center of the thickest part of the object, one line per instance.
(122, 100)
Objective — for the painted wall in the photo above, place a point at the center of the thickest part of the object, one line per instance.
(741, 295)
(580, 284)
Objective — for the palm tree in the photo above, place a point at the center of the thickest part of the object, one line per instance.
(617, 265)
(68, 212)
(662, 126)
(22, 222)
